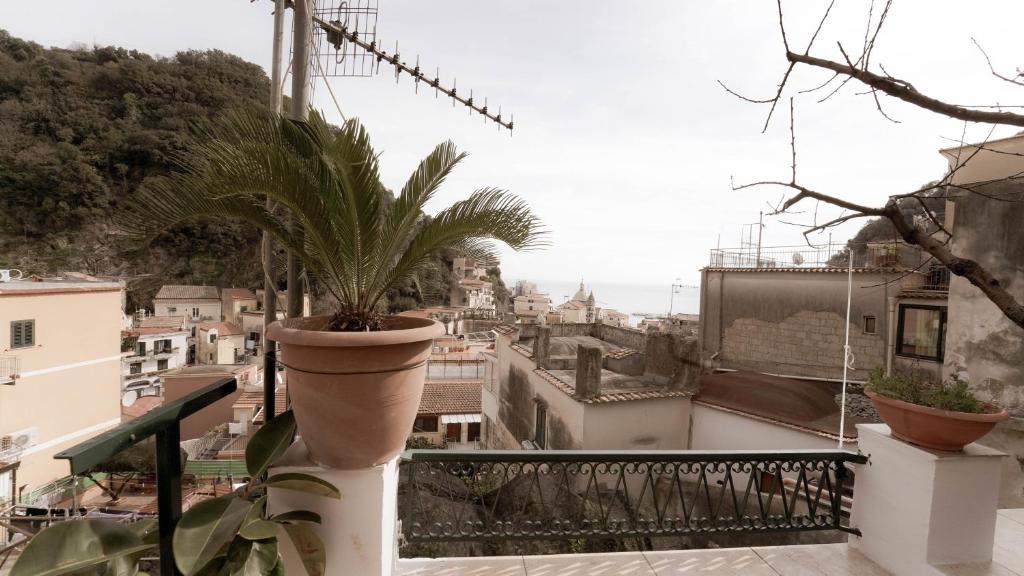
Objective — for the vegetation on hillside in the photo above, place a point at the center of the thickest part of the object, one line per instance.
(82, 128)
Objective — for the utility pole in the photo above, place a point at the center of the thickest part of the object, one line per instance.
(302, 40)
(760, 227)
(672, 299)
(269, 282)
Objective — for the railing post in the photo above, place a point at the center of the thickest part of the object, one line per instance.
(168, 492)
(269, 381)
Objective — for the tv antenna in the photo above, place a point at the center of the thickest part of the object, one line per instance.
(345, 44)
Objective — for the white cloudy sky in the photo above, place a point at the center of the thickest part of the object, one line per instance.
(624, 143)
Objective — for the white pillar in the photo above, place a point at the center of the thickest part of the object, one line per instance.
(359, 531)
(919, 508)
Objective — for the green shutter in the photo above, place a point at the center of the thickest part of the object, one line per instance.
(23, 333)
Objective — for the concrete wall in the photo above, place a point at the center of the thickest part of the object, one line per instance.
(793, 322)
(70, 384)
(209, 309)
(655, 424)
(981, 344)
(715, 429)
(220, 412)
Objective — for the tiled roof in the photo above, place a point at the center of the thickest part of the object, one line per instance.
(616, 314)
(153, 331)
(615, 396)
(504, 329)
(254, 399)
(572, 305)
(622, 353)
(176, 292)
(222, 328)
(141, 406)
(176, 322)
(522, 350)
(238, 293)
(450, 397)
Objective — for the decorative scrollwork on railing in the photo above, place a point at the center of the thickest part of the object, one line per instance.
(452, 496)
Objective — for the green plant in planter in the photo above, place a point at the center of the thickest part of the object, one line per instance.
(231, 534)
(333, 212)
(915, 388)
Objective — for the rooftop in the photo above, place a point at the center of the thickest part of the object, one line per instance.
(450, 397)
(56, 286)
(161, 322)
(238, 293)
(182, 292)
(222, 328)
(804, 404)
(201, 369)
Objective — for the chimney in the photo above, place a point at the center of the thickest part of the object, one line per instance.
(588, 372)
(542, 347)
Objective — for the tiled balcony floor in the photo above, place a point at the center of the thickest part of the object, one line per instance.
(808, 560)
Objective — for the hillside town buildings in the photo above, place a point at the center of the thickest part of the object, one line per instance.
(471, 289)
(220, 343)
(235, 302)
(152, 346)
(196, 303)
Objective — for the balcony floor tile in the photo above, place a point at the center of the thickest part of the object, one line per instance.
(612, 564)
(494, 566)
(721, 561)
(819, 559)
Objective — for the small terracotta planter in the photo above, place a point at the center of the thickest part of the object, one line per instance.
(355, 394)
(934, 428)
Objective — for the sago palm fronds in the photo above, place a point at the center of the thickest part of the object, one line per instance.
(331, 211)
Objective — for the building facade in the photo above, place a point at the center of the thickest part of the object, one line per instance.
(220, 343)
(234, 302)
(153, 346)
(61, 383)
(197, 304)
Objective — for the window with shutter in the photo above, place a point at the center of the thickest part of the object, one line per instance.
(23, 333)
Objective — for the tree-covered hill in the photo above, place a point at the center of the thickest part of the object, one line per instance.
(80, 129)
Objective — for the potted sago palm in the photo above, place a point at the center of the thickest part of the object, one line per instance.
(355, 377)
(937, 415)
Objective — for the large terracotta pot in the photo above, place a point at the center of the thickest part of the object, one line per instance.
(934, 428)
(355, 394)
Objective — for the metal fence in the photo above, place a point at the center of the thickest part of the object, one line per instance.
(458, 496)
(10, 369)
(865, 255)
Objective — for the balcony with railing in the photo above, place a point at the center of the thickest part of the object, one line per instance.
(10, 369)
(872, 255)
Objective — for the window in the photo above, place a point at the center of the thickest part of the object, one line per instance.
(870, 325)
(453, 432)
(172, 309)
(425, 424)
(163, 346)
(23, 333)
(921, 331)
(193, 331)
(245, 308)
(161, 364)
(540, 425)
(255, 337)
(213, 338)
(135, 368)
(474, 431)
(195, 313)
(140, 349)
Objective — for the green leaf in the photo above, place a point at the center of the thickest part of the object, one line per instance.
(298, 516)
(255, 515)
(206, 528)
(70, 546)
(303, 483)
(258, 530)
(269, 443)
(262, 559)
(309, 546)
(147, 530)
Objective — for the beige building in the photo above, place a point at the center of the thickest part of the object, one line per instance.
(235, 301)
(219, 343)
(449, 414)
(60, 377)
(531, 308)
(471, 289)
(183, 381)
(196, 303)
(588, 387)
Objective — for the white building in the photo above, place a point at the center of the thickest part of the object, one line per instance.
(196, 303)
(155, 345)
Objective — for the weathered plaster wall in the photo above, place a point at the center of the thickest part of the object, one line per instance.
(981, 344)
(656, 424)
(793, 322)
(717, 429)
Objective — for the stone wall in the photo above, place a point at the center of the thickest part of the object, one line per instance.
(625, 337)
(805, 344)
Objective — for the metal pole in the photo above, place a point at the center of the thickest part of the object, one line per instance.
(269, 283)
(168, 492)
(760, 226)
(303, 30)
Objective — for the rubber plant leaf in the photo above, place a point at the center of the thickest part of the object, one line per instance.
(205, 529)
(309, 546)
(269, 443)
(303, 483)
(69, 547)
(262, 559)
(297, 516)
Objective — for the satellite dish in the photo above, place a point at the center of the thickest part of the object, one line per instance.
(22, 440)
(798, 258)
(129, 398)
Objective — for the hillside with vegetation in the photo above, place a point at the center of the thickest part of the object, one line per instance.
(82, 128)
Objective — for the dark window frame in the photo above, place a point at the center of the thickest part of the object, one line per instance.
(162, 364)
(873, 320)
(417, 425)
(27, 337)
(901, 320)
(135, 368)
(540, 425)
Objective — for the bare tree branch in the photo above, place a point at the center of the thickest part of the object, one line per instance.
(1015, 80)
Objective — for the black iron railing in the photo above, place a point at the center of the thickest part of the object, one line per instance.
(165, 423)
(459, 496)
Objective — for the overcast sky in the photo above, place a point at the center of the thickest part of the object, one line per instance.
(624, 143)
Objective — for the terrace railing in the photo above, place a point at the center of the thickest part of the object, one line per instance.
(462, 496)
(165, 423)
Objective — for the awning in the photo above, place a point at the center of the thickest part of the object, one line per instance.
(459, 418)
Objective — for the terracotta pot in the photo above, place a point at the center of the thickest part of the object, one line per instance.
(355, 394)
(934, 428)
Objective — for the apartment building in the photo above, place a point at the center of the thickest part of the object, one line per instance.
(196, 303)
(236, 301)
(471, 289)
(220, 343)
(60, 380)
(154, 345)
